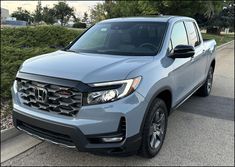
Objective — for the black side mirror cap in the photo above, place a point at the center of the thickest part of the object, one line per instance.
(183, 51)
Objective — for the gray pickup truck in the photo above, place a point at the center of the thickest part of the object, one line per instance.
(111, 90)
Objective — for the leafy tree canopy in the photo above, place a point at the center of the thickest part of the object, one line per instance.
(48, 15)
(63, 12)
(85, 17)
(21, 14)
(38, 13)
(191, 8)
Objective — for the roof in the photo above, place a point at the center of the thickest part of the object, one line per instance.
(164, 18)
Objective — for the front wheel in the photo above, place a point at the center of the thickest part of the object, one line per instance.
(205, 90)
(154, 129)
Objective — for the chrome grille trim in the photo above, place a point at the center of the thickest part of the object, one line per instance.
(68, 102)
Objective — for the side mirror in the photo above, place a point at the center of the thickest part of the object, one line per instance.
(183, 51)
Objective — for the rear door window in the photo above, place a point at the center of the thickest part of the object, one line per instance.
(194, 39)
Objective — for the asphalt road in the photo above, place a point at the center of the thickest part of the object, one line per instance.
(200, 132)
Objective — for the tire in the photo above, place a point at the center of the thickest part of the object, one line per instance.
(205, 89)
(154, 130)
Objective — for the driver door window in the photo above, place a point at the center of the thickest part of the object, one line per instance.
(179, 35)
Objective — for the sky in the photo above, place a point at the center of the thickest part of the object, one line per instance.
(79, 6)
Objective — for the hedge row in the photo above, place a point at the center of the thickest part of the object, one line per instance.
(41, 36)
(19, 44)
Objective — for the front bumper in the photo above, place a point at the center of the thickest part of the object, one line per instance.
(71, 136)
(94, 121)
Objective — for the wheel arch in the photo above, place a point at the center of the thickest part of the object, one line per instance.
(165, 94)
(213, 64)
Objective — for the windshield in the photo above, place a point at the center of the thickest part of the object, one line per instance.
(122, 38)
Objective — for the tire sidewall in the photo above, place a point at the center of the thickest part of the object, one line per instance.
(149, 152)
(206, 92)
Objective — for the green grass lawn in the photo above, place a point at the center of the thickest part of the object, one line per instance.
(220, 39)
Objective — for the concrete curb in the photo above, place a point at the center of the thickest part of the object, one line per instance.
(9, 133)
(223, 45)
(17, 145)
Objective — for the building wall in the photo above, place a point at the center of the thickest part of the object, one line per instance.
(15, 23)
(4, 14)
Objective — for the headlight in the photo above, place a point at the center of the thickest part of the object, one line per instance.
(123, 88)
(15, 86)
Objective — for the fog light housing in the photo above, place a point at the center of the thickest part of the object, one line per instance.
(112, 139)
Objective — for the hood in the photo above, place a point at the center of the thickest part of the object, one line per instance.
(84, 67)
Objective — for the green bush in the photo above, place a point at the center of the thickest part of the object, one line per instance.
(12, 58)
(79, 25)
(40, 36)
(19, 44)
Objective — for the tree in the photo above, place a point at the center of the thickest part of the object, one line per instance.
(21, 14)
(123, 9)
(224, 19)
(112, 9)
(204, 12)
(227, 14)
(212, 12)
(181, 8)
(149, 7)
(63, 12)
(98, 13)
(48, 15)
(76, 19)
(212, 8)
(38, 13)
(85, 17)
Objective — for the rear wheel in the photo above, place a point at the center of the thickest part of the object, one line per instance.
(205, 90)
(154, 129)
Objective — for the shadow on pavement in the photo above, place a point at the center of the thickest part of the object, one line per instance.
(211, 106)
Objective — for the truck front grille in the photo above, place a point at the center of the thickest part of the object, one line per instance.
(49, 97)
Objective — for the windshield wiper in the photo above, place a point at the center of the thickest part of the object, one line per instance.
(116, 52)
(106, 50)
(68, 50)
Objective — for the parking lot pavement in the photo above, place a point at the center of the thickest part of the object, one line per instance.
(200, 132)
